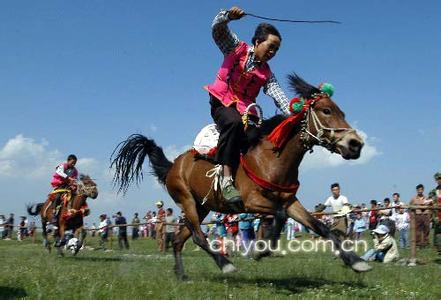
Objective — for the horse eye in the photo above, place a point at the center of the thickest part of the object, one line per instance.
(327, 111)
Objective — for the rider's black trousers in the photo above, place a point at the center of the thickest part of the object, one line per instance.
(232, 139)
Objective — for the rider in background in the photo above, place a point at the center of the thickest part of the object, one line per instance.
(65, 177)
(243, 73)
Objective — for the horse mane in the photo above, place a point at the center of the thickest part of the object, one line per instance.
(301, 88)
(86, 180)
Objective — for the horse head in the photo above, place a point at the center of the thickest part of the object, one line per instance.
(87, 187)
(325, 123)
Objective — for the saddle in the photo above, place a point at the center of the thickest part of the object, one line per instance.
(66, 195)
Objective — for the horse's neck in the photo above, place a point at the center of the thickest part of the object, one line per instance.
(281, 168)
(78, 201)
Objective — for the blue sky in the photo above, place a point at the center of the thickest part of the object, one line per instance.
(78, 77)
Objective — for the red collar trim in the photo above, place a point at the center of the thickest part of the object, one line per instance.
(266, 184)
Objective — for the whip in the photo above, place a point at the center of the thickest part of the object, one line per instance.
(292, 21)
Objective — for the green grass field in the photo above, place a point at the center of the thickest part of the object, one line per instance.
(28, 271)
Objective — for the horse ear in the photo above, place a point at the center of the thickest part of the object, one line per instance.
(301, 87)
(85, 177)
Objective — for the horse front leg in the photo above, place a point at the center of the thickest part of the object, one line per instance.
(60, 242)
(46, 243)
(300, 214)
(256, 202)
(80, 234)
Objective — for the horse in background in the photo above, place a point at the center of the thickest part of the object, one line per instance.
(70, 217)
(267, 177)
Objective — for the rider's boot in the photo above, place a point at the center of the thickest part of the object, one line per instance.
(229, 192)
(55, 209)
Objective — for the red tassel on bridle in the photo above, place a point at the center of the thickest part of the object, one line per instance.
(280, 134)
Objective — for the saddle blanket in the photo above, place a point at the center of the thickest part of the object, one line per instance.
(206, 140)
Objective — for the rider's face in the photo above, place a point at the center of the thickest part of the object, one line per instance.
(265, 50)
(71, 163)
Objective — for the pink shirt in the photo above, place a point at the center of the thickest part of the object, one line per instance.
(233, 84)
(62, 173)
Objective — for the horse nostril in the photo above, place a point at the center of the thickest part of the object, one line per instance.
(355, 145)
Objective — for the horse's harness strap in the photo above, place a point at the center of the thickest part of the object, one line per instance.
(264, 183)
(330, 142)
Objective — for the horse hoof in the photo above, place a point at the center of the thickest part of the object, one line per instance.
(181, 277)
(361, 266)
(229, 268)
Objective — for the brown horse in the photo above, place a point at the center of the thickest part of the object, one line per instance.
(266, 178)
(70, 216)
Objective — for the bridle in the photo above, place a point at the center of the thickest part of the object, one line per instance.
(86, 190)
(309, 139)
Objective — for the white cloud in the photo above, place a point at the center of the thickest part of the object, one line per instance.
(173, 151)
(321, 157)
(25, 157)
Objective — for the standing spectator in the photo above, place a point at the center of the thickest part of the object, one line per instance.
(122, 230)
(160, 227)
(402, 222)
(373, 219)
(221, 231)
(265, 224)
(32, 231)
(93, 229)
(435, 196)
(103, 231)
(170, 229)
(22, 230)
(181, 221)
(10, 226)
(385, 217)
(135, 227)
(359, 226)
(3, 229)
(246, 229)
(422, 217)
(152, 226)
(232, 225)
(337, 201)
(290, 230)
(147, 227)
(396, 202)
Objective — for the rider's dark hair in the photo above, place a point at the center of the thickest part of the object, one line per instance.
(334, 185)
(374, 202)
(170, 210)
(72, 157)
(398, 195)
(420, 186)
(262, 32)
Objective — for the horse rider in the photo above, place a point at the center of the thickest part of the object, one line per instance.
(243, 73)
(65, 177)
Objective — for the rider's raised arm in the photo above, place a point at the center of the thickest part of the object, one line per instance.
(60, 171)
(224, 38)
(272, 88)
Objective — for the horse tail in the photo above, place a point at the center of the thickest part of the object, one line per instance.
(37, 210)
(130, 155)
